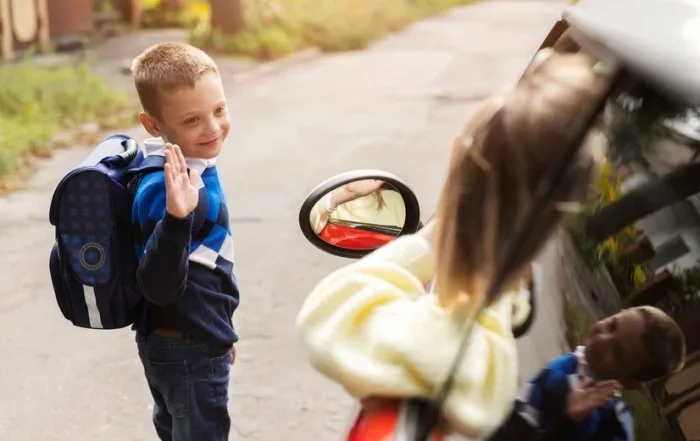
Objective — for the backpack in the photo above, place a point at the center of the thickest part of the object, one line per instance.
(93, 262)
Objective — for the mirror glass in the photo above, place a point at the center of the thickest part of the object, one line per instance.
(360, 215)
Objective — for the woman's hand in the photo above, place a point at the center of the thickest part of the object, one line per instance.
(354, 190)
(428, 231)
(363, 187)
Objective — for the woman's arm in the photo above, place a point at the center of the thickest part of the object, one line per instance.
(321, 211)
(346, 193)
(354, 190)
(525, 302)
(367, 327)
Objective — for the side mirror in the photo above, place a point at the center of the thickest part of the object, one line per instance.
(356, 212)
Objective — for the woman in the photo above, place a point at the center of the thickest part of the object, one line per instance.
(368, 327)
(367, 201)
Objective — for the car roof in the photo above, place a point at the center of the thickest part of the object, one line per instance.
(656, 39)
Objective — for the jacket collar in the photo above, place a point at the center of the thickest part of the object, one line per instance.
(156, 147)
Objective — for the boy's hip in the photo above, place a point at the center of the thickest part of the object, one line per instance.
(170, 346)
(186, 373)
(216, 331)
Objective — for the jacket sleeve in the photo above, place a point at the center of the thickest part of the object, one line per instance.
(555, 424)
(163, 268)
(541, 407)
(370, 327)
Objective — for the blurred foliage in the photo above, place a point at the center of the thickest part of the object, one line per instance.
(38, 102)
(684, 293)
(275, 28)
(605, 190)
(158, 14)
(637, 122)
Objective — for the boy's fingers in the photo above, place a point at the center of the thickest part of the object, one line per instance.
(586, 383)
(170, 159)
(172, 156)
(195, 179)
(181, 159)
(168, 177)
(610, 385)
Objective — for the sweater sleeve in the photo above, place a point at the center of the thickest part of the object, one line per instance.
(163, 268)
(368, 327)
(319, 214)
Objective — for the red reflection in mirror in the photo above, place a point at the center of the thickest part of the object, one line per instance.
(353, 238)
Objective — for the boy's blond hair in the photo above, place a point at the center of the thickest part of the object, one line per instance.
(167, 66)
(664, 342)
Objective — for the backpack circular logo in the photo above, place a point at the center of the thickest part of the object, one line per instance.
(92, 256)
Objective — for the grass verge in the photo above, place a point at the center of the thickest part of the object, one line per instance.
(39, 103)
(278, 28)
(648, 424)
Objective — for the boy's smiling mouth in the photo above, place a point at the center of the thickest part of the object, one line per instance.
(210, 142)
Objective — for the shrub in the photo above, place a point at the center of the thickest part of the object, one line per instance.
(607, 189)
(277, 28)
(155, 15)
(37, 102)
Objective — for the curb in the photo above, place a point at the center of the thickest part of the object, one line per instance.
(272, 67)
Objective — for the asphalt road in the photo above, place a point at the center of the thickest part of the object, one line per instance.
(396, 106)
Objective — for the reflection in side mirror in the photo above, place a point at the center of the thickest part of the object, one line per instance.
(360, 215)
(355, 213)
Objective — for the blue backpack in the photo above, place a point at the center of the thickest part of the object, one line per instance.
(93, 262)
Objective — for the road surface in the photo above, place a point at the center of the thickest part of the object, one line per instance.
(396, 106)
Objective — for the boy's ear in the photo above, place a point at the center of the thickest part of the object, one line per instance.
(150, 124)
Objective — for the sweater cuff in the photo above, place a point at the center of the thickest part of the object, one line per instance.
(412, 252)
(177, 231)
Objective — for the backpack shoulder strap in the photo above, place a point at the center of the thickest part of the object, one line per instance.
(147, 165)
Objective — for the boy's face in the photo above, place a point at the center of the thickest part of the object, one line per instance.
(615, 348)
(194, 118)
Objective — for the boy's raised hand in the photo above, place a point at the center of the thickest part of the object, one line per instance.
(587, 396)
(182, 189)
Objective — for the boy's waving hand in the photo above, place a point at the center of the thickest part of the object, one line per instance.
(588, 396)
(182, 188)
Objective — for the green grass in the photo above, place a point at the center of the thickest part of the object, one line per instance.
(38, 102)
(154, 16)
(278, 28)
(648, 424)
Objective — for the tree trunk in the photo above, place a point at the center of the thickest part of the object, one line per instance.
(131, 10)
(638, 252)
(643, 201)
(227, 16)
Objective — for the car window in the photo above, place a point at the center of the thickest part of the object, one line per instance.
(636, 239)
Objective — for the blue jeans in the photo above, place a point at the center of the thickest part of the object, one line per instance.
(189, 383)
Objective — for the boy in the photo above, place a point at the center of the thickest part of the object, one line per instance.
(185, 272)
(564, 401)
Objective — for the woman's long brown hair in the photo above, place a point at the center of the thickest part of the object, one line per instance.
(497, 164)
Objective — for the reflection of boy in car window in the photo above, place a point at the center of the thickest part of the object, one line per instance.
(369, 201)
